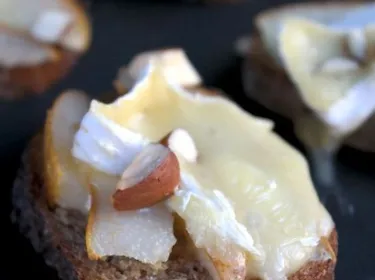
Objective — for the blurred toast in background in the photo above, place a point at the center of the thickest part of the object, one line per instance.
(40, 41)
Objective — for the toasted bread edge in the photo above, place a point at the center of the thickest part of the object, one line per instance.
(59, 236)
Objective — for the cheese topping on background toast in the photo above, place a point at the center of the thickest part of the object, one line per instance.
(327, 50)
(334, 71)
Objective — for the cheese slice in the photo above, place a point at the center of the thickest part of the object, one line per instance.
(336, 16)
(248, 191)
(332, 70)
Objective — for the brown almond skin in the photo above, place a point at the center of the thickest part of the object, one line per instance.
(164, 141)
(156, 187)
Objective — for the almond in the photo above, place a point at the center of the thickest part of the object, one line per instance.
(151, 178)
(180, 142)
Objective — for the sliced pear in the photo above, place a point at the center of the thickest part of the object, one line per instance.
(336, 15)
(175, 63)
(65, 184)
(18, 49)
(108, 148)
(62, 22)
(330, 78)
(145, 235)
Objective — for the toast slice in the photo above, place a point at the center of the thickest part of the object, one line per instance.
(41, 45)
(58, 234)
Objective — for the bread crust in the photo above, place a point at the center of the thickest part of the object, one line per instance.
(20, 81)
(59, 235)
(268, 84)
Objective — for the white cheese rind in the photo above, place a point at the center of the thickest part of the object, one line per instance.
(105, 145)
(354, 109)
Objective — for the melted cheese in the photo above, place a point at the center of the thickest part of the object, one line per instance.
(244, 171)
(333, 71)
(306, 55)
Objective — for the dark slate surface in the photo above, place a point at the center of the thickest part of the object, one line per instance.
(207, 33)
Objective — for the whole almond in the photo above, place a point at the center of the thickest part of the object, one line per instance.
(151, 178)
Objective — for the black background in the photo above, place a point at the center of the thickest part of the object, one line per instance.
(207, 33)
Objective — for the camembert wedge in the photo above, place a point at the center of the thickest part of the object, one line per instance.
(333, 70)
(334, 15)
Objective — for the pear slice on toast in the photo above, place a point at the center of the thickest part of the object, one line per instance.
(65, 185)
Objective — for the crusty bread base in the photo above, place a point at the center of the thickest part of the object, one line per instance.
(270, 86)
(19, 82)
(59, 235)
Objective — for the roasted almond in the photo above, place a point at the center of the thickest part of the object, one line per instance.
(151, 178)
